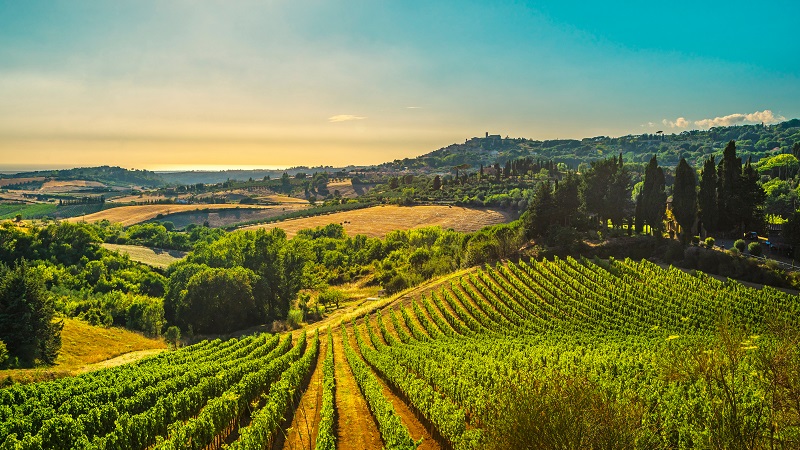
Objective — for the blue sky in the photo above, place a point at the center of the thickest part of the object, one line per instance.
(161, 84)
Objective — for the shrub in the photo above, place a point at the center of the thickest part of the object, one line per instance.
(754, 248)
(173, 336)
(3, 353)
(97, 316)
(295, 318)
(740, 245)
(710, 242)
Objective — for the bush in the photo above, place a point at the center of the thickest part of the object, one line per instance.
(295, 318)
(754, 248)
(329, 296)
(3, 353)
(173, 336)
(740, 245)
(97, 316)
(710, 241)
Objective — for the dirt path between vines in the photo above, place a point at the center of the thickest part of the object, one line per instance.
(303, 431)
(355, 427)
(415, 428)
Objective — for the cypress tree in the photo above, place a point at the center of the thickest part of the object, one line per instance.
(653, 196)
(708, 210)
(684, 198)
(541, 211)
(729, 174)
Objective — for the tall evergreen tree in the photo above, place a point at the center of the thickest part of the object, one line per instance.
(26, 316)
(708, 210)
(606, 191)
(567, 200)
(541, 212)
(729, 174)
(684, 198)
(751, 200)
(654, 196)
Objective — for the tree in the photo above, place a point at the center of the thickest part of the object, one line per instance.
(540, 212)
(750, 211)
(708, 210)
(286, 183)
(173, 336)
(567, 199)
(653, 197)
(684, 199)
(729, 174)
(27, 314)
(606, 190)
(219, 300)
(791, 232)
(437, 183)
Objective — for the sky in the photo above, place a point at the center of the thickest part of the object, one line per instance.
(166, 84)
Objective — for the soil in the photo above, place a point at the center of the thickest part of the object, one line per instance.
(355, 427)
(302, 433)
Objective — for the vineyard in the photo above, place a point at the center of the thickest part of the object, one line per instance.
(554, 354)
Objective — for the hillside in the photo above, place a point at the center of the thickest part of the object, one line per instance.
(103, 174)
(754, 141)
(84, 346)
(587, 352)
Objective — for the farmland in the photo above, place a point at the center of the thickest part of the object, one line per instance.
(129, 215)
(155, 257)
(380, 220)
(612, 354)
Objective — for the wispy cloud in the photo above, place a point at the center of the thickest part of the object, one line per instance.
(680, 122)
(413, 107)
(765, 116)
(344, 118)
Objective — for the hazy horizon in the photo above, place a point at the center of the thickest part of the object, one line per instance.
(150, 84)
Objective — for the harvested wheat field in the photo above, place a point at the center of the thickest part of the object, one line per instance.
(129, 215)
(347, 189)
(380, 220)
(69, 185)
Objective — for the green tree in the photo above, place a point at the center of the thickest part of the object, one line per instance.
(606, 191)
(567, 199)
(27, 313)
(437, 183)
(729, 174)
(541, 212)
(173, 336)
(750, 212)
(653, 198)
(219, 300)
(791, 232)
(684, 199)
(708, 210)
(286, 183)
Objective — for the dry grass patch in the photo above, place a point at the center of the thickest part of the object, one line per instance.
(130, 215)
(83, 346)
(155, 257)
(378, 221)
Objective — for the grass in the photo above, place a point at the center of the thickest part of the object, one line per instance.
(155, 257)
(85, 347)
(378, 221)
(27, 210)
